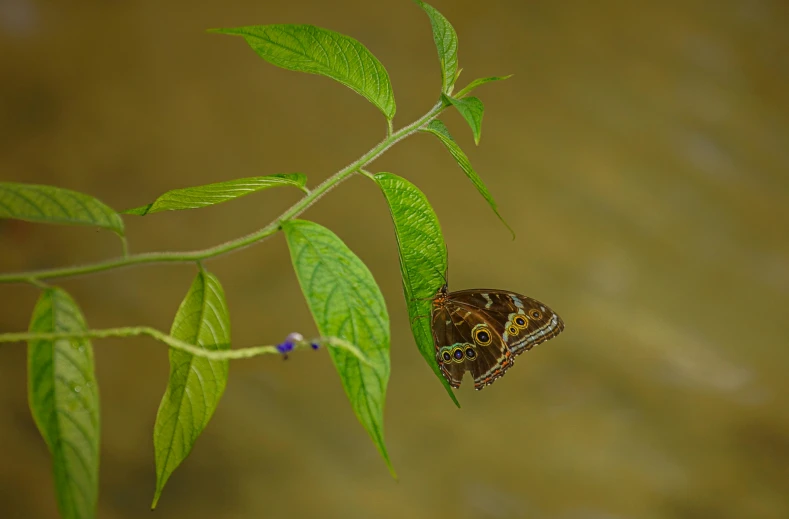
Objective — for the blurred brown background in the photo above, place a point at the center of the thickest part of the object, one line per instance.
(640, 152)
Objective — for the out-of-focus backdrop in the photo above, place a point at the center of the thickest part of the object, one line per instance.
(641, 152)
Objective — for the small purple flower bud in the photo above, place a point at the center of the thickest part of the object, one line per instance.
(289, 344)
(315, 345)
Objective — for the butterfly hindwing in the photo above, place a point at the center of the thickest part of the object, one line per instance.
(467, 341)
(447, 337)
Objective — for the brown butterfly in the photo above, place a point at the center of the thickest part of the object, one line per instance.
(483, 330)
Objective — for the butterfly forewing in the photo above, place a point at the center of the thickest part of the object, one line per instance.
(525, 322)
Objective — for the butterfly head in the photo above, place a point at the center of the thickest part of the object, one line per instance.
(441, 297)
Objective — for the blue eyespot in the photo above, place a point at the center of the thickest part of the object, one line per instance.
(458, 353)
(447, 357)
(482, 336)
(470, 353)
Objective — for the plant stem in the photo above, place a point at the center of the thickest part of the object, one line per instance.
(178, 344)
(244, 241)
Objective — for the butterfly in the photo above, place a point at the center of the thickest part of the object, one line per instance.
(482, 331)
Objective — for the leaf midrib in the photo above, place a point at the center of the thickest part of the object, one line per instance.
(186, 382)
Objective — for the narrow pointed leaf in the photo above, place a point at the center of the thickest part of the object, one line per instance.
(50, 204)
(440, 130)
(212, 194)
(345, 302)
(446, 43)
(481, 81)
(423, 259)
(64, 401)
(306, 48)
(196, 384)
(472, 111)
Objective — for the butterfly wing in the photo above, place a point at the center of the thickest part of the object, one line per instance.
(449, 334)
(525, 322)
(469, 341)
(489, 327)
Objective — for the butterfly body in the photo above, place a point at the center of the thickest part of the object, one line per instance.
(482, 331)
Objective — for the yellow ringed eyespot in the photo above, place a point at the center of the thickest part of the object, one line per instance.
(482, 336)
(513, 330)
(457, 353)
(535, 314)
(521, 321)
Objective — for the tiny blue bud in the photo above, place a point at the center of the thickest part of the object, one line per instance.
(315, 345)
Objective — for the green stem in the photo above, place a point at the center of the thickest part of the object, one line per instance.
(244, 241)
(178, 344)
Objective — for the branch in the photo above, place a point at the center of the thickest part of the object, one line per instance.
(244, 241)
(178, 344)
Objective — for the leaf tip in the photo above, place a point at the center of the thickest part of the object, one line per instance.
(451, 394)
(220, 30)
(385, 455)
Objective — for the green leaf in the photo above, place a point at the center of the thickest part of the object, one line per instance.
(212, 194)
(472, 111)
(346, 302)
(306, 48)
(423, 260)
(446, 43)
(50, 204)
(481, 81)
(64, 400)
(196, 384)
(440, 130)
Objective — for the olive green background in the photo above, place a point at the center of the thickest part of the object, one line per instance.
(641, 152)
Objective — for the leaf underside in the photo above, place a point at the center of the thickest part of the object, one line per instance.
(212, 194)
(196, 384)
(477, 82)
(423, 259)
(472, 110)
(345, 302)
(54, 205)
(64, 400)
(314, 50)
(440, 130)
(446, 41)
